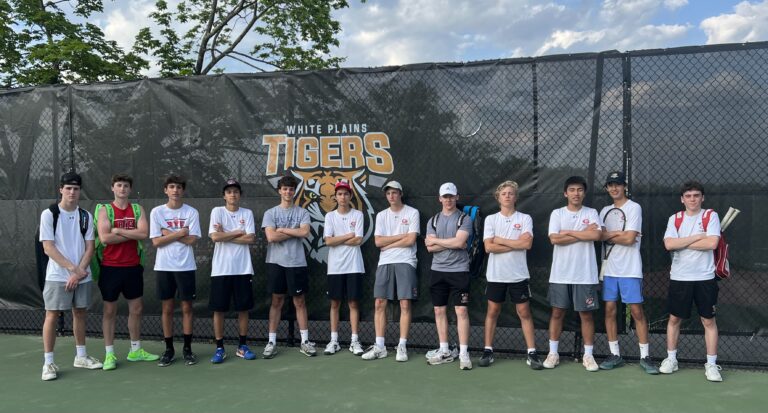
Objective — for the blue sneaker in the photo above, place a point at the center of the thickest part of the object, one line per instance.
(219, 356)
(245, 353)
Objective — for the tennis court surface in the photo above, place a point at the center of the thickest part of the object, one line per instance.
(292, 382)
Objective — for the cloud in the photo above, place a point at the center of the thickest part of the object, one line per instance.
(748, 23)
(410, 31)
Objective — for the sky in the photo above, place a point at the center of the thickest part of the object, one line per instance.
(398, 32)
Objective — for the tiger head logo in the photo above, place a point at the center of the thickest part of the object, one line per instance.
(315, 193)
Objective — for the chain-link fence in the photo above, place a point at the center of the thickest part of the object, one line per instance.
(661, 116)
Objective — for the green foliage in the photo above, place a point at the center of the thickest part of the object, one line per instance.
(266, 34)
(40, 45)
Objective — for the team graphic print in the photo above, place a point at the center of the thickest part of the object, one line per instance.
(318, 162)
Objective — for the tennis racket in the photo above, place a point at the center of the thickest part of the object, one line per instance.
(614, 220)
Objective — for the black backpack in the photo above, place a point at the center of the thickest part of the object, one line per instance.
(475, 246)
(41, 258)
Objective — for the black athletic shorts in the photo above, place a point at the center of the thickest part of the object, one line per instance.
(293, 281)
(449, 287)
(519, 292)
(341, 286)
(126, 280)
(227, 288)
(169, 282)
(684, 293)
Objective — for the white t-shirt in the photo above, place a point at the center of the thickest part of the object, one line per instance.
(389, 223)
(175, 256)
(689, 264)
(230, 258)
(69, 241)
(574, 263)
(625, 260)
(344, 259)
(510, 266)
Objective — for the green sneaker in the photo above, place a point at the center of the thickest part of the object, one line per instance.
(110, 362)
(647, 365)
(142, 355)
(612, 362)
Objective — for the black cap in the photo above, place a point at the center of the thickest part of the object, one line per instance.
(232, 182)
(616, 177)
(71, 178)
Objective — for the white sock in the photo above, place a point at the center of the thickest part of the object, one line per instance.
(644, 350)
(355, 338)
(488, 348)
(588, 350)
(531, 350)
(272, 337)
(463, 349)
(614, 346)
(81, 351)
(135, 345)
(335, 336)
(48, 358)
(109, 349)
(553, 346)
(402, 341)
(444, 347)
(304, 335)
(711, 359)
(380, 342)
(672, 354)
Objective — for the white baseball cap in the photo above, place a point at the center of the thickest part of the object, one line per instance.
(393, 185)
(448, 188)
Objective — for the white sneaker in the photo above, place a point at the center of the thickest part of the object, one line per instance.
(465, 363)
(668, 366)
(441, 358)
(332, 348)
(87, 362)
(269, 350)
(356, 349)
(452, 348)
(308, 349)
(552, 360)
(374, 352)
(712, 371)
(589, 363)
(402, 353)
(50, 372)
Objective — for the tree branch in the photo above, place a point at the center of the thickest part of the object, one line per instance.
(246, 30)
(206, 36)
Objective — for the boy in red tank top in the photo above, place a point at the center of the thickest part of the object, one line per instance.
(122, 227)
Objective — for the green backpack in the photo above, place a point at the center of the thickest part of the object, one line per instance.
(98, 254)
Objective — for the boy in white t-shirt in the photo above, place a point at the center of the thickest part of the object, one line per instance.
(232, 229)
(173, 228)
(573, 282)
(623, 273)
(692, 277)
(397, 228)
(507, 235)
(343, 234)
(68, 275)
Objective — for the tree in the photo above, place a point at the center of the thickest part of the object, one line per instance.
(263, 34)
(40, 45)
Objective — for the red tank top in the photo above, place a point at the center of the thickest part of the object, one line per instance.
(124, 254)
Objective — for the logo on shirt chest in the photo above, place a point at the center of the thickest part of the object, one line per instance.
(517, 227)
(176, 223)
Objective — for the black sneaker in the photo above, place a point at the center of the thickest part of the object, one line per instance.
(534, 361)
(167, 358)
(189, 357)
(612, 362)
(486, 359)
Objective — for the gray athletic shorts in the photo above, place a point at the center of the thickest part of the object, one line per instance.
(400, 278)
(583, 297)
(57, 298)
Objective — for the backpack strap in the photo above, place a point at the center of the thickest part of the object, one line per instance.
(678, 220)
(54, 208)
(705, 217)
(83, 221)
(139, 245)
(434, 221)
